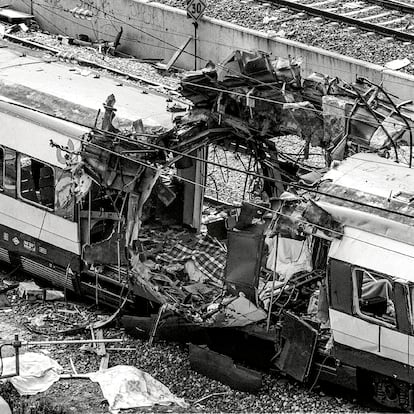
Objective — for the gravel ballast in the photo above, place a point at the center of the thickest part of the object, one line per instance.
(336, 38)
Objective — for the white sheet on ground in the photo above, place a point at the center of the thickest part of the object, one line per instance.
(4, 407)
(128, 387)
(37, 372)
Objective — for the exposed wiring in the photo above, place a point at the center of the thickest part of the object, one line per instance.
(268, 209)
(319, 373)
(259, 98)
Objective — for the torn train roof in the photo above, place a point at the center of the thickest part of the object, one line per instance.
(371, 174)
(373, 194)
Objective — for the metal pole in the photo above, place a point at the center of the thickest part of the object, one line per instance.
(73, 341)
(17, 344)
(273, 283)
(195, 44)
(89, 215)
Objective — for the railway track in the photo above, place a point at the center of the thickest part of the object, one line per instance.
(388, 18)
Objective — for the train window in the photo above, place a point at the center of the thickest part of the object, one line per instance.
(1, 168)
(10, 172)
(37, 181)
(373, 296)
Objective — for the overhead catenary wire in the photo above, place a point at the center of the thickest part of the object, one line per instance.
(264, 177)
(116, 17)
(261, 176)
(253, 174)
(268, 209)
(49, 9)
(174, 47)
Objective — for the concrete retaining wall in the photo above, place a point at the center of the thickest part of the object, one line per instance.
(152, 30)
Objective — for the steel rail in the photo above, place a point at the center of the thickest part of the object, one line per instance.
(394, 5)
(346, 19)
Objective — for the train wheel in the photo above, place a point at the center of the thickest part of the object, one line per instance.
(390, 392)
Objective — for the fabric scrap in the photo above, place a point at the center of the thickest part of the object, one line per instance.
(128, 387)
(38, 372)
(206, 255)
(293, 256)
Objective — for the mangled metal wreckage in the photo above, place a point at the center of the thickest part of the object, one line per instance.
(309, 276)
(313, 278)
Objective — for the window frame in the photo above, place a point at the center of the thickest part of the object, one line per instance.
(19, 182)
(355, 299)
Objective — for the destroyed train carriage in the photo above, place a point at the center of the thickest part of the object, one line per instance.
(321, 288)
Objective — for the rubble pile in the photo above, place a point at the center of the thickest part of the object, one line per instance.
(259, 99)
(167, 363)
(53, 318)
(262, 267)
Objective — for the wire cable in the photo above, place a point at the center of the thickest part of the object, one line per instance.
(322, 228)
(174, 47)
(268, 209)
(253, 174)
(192, 54)
(261, 176)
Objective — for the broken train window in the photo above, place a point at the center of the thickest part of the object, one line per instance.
(36, 181)
(373, 296)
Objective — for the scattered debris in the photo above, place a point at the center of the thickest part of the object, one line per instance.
(32, 292)
(255, 96)
(397, 64)
(215, 292)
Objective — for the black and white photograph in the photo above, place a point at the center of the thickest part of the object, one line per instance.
(206, 206)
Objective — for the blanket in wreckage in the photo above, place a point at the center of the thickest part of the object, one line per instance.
(207, 256)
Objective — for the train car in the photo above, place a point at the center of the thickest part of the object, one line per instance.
(369, 281)
(42, 229)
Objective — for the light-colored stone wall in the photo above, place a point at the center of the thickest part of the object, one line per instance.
(152, 30)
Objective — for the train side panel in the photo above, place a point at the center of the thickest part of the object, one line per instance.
(39, 230)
